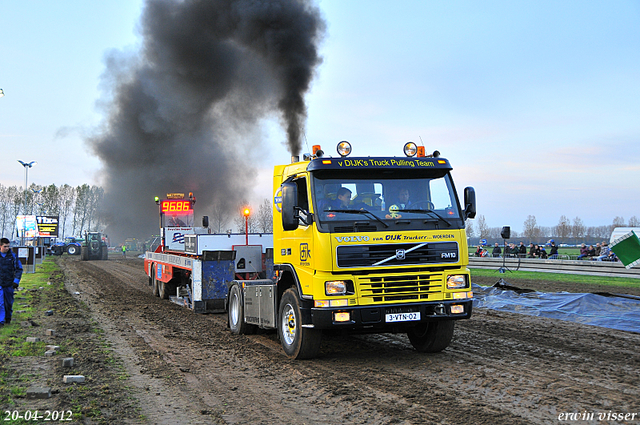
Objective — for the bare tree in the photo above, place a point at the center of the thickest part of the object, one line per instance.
(617, 222)
(578, 228)
(5, 211)
(80, 212)
(218, 219)
(563, 228)
(634, 222)
(265, 217)
(483, 229)
(50, 195)
(66, 197)
(531, 230)
(94, 216)
(469, 229)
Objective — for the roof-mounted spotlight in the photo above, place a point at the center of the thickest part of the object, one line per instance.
(435, 154)
(344, 148)
(410, 149)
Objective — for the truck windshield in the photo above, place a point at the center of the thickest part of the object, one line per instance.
(371, 203)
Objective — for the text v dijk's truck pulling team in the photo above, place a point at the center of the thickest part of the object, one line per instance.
(359, 244)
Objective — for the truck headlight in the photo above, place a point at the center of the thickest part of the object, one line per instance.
(457, 281)
(335, 287)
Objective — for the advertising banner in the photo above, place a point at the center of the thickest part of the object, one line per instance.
(47, 225)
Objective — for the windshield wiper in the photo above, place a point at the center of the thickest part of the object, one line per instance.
(362, 211)
(426, 212)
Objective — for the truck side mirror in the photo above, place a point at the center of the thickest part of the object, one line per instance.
(289, 204)
(469, 202)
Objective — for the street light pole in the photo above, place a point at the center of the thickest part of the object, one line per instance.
(26, 166)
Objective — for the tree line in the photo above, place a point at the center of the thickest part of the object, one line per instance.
(78, 208)
(565, 230)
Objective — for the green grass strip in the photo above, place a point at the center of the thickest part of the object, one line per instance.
(560, 277)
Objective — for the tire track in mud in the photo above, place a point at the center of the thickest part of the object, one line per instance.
(501, 368)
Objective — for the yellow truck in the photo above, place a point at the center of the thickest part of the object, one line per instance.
(363, 245)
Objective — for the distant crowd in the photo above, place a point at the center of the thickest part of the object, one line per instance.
(601, 252)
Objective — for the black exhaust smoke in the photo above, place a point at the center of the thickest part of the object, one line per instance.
(182, 112)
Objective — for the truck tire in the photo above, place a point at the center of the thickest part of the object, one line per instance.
(84, 253)
(154, 280)
(73, 250)
(237, 325)
(431, 337)
(164, 289)
(297, 342)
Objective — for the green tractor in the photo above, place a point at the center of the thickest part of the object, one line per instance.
(94, 247)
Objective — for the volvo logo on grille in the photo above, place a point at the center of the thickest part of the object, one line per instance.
(399, 254)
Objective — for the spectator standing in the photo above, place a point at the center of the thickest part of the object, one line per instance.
(10, 275)
(496, 250)
(532, 250)
(553, 253)
(522, 250)
(598, 248)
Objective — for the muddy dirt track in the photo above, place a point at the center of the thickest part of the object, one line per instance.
(501, 368)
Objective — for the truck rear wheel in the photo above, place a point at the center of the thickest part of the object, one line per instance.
(297, 342)
(237, 325)
(154, 280)
(431, 337)
(164, 289)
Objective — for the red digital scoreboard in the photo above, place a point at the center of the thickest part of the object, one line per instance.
(176, 206)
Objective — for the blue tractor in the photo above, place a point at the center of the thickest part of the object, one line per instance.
(71, 245)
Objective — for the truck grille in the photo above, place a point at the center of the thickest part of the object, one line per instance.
(400, 287)
(397, 254)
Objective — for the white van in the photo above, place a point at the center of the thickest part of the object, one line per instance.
(621, 231)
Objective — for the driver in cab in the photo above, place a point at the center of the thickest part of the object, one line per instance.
(343, 198)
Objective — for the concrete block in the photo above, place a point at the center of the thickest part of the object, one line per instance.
(49, 353)
(67, 362)
(50, 332)
(70, 379)
(52, 347)
(39, 392)
(33, 339)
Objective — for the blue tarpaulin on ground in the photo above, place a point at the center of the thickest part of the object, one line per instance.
(590, 309)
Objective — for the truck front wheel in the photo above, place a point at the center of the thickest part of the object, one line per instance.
(73, 250)
(431, 337)
(237, 325)
(298, 342)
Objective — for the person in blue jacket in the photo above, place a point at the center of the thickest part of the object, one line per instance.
(10, 275)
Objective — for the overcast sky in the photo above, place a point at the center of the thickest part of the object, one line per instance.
(536, 104)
